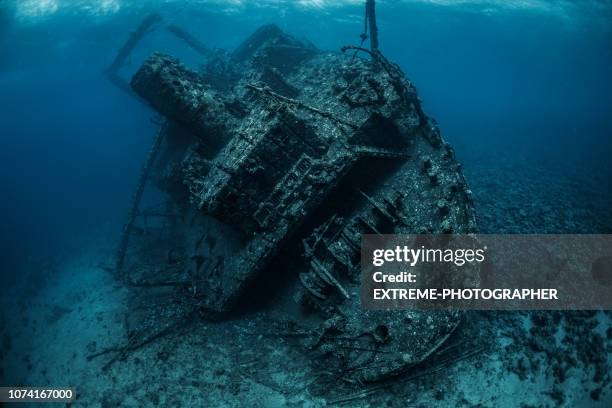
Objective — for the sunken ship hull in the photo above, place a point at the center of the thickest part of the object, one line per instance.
(280, 151)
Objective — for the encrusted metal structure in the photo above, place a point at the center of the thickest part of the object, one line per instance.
(278, 156)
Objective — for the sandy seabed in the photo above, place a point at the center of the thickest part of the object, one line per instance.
(74, 309)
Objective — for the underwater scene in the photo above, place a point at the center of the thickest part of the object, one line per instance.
(186, 185)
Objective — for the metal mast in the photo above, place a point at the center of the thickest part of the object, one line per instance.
(371, 21)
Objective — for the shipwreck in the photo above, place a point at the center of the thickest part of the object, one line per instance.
(274, 159)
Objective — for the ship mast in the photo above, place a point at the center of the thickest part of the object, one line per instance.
(370, 19)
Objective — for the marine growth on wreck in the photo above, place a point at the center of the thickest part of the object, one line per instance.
(277, 152)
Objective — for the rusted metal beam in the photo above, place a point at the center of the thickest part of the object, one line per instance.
(112, 72)
(371, 17)
(134, 209)
(124, 52)
(190, 40)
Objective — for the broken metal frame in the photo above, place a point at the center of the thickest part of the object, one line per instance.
(134, 211)
(146, 27)
(112, 73)
(191, 41)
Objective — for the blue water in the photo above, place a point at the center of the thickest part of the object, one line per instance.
(522, 90)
